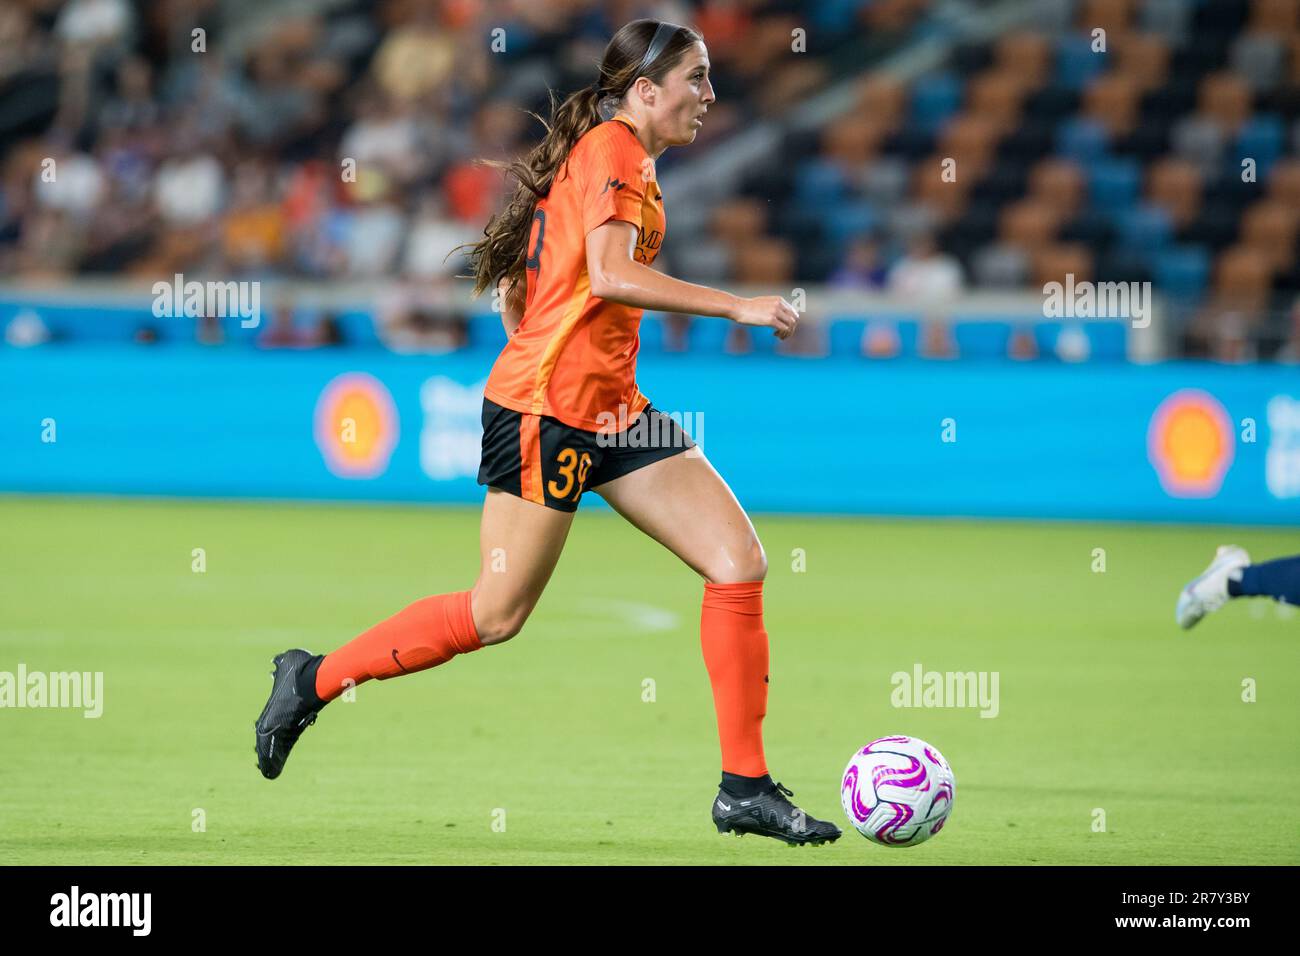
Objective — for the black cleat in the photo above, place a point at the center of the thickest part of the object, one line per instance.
(286, 714)
(770, 814)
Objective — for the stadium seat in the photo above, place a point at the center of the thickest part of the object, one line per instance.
(1114, 184)
(1083, 140)
(1143, 58)
(850, 221)
(1060, 184)
(935, 98)
(1284, 183)
(1111, 101)
(1026, 55)
(1028, 224)
(1225, 98)
(1261, 139)
(819, 182)
(885, 180)
(997, 96)
(884, 100)
(1269, 228)
(1175, 184)
(1200, 141)
(1076, 64)
(1274, 16)
(1169, 18)
(1181, 271)
(1260, 59)
(1143, 230)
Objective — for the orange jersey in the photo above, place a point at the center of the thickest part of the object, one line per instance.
(573, 356)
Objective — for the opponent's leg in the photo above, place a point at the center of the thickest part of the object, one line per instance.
(519, 544)
(1278, 579)
(684, 504)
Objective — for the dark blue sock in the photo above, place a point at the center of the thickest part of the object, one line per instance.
(1278, 579)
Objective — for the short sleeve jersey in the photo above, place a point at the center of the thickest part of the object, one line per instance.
(573, 356)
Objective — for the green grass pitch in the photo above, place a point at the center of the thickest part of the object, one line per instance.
(1104, 703)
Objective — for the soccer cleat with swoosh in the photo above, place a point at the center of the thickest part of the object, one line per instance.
(286, 714)
(770, 814)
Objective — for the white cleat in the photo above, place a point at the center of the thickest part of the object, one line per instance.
(1209, 592)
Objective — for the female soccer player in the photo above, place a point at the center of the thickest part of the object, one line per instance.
(571, 257)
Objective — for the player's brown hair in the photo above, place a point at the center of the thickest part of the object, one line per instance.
(502, 250)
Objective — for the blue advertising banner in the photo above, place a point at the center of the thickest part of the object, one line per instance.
(1170, 442)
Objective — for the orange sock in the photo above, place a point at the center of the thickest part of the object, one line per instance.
(735, 654)
(425, 634)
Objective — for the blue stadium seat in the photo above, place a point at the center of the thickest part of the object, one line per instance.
(848, 221)
(1143, 230)
(934, 99)
(1114, 184)
(1261, 139)
(1076, 64)
(835, 15)
(1082, 140)
(1182, 271)
(819, 182)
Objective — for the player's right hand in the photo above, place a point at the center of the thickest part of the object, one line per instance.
(768, 310)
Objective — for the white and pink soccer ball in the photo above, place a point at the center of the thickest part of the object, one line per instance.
(898, 791)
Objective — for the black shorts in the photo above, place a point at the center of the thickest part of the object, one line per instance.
(541, 459)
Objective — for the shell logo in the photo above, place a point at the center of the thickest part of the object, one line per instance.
(356, 426)
(1190, 444)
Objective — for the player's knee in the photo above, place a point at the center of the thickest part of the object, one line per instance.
(745, 562)
(498, 628)
(494, 620)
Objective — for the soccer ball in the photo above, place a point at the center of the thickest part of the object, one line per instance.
(898, 791)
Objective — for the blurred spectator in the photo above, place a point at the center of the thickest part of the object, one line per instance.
(431, 239)
(189, 187)
(94, 22)
(925, 274)
(862, 268)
